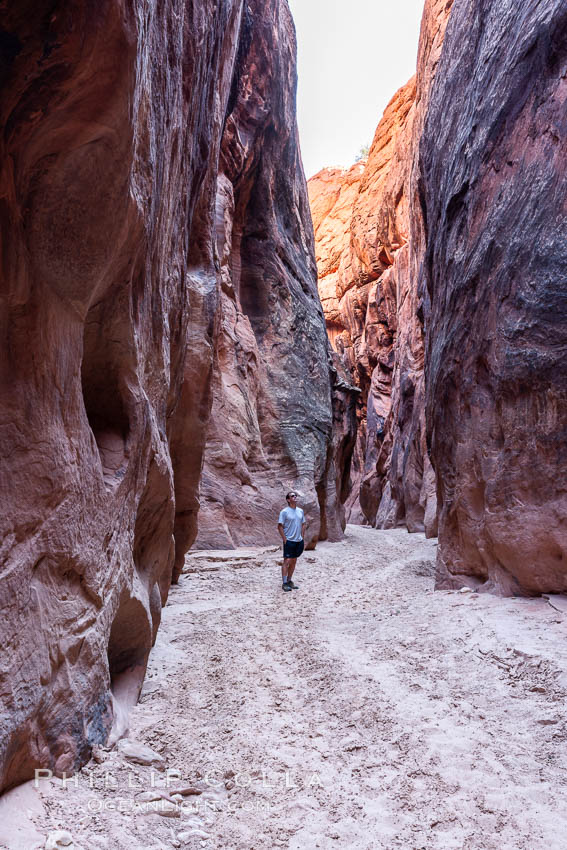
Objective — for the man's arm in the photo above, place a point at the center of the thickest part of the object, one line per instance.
(281, 532)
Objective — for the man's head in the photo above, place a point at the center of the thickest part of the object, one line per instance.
(291, 498)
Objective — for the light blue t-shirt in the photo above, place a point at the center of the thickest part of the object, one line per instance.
(292, 519)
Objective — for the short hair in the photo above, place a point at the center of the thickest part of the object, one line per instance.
(291, 493)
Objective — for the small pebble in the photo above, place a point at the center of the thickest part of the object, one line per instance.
(148, 796)
(60, 839)
(192, 833)
(137, 753)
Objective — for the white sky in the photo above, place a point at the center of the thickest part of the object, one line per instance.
(353, 55)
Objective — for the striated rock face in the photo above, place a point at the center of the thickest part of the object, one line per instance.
(369, 247)
(332, 193)
(442, 268)
(392, 335)
(271, 423)
(107, 271)
(405, 478)
(117, 232)
(361, 221)
(494, 192)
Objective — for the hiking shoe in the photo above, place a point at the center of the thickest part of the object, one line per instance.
(286, 586)
(293, 586)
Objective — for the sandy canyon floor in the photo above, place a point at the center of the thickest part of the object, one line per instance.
(363, 710)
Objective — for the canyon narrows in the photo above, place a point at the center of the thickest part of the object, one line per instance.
(443, 276)
(171, 366)
(370, 244)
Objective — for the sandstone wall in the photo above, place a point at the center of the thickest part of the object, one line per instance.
(114, 247)
(442, 268)
(405, 478)
(332, 193)
(494, 191)
(271, 423)
(369, 248)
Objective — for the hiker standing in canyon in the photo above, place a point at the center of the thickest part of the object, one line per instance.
(291, 524)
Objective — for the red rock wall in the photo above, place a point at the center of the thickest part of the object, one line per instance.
(369, 248)
(456, 227)
(111, 267)
(405, 478)
(332, 193)
(494, 191)
(271, 423)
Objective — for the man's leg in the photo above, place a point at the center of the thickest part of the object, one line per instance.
(291, 567)
(285, 569)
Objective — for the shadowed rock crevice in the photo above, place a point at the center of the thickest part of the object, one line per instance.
(129, 647)
(130, 638)
(104, 372)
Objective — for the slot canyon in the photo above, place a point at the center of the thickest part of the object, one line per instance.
(190, 330)
(442, 265)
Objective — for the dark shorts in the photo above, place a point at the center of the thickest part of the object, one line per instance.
(293, 548)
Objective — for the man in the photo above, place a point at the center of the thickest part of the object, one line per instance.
(291, 525)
